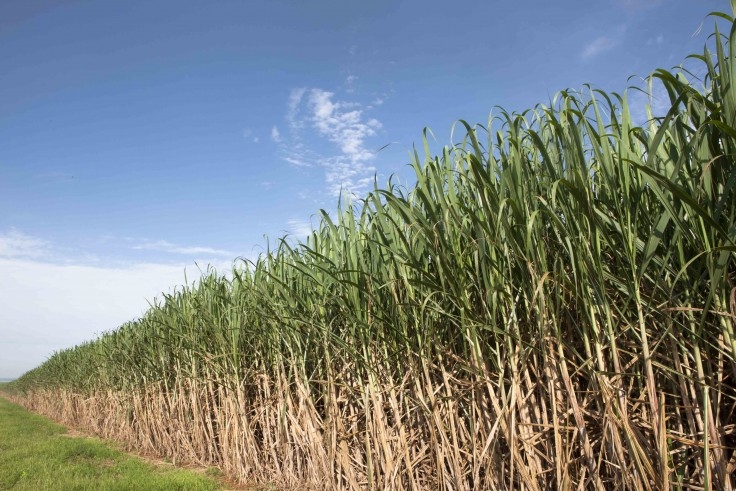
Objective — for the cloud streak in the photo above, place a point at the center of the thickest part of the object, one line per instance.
(248, 134)
(604, 43)
(636, 5)
(598, 46)
(275, 134)
(165, 246)
(299, 228)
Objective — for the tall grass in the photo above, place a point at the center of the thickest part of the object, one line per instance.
(550, 307)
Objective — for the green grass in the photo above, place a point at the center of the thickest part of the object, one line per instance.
(36, 454)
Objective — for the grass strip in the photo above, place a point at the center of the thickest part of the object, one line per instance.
(36, 455)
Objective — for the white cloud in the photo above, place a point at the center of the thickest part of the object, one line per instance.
(296, 153)
(350, 83)
(635, 5)
(165, 246)
(299, 228)
(18, 244)
(614, 37)
(275, 134)
(652, 98)
(292, 114)
(341, 123)
(598, 46)
(249, 135)
(659, 100)
(295, 160)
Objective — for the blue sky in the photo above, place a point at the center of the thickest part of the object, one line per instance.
(139, 138)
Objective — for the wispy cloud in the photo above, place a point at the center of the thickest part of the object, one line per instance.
(296, 160)
(292, 114)
(659, 40)
(640, 103)
(342, 123)
(248, 134)
(613, 37)
(275, 134)
(654, 96)
(165, 246)
(635, 5)
(16, 244)
(598, 46)
(299, 228)
(350, 83)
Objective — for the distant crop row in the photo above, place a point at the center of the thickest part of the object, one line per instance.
(550, 307)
